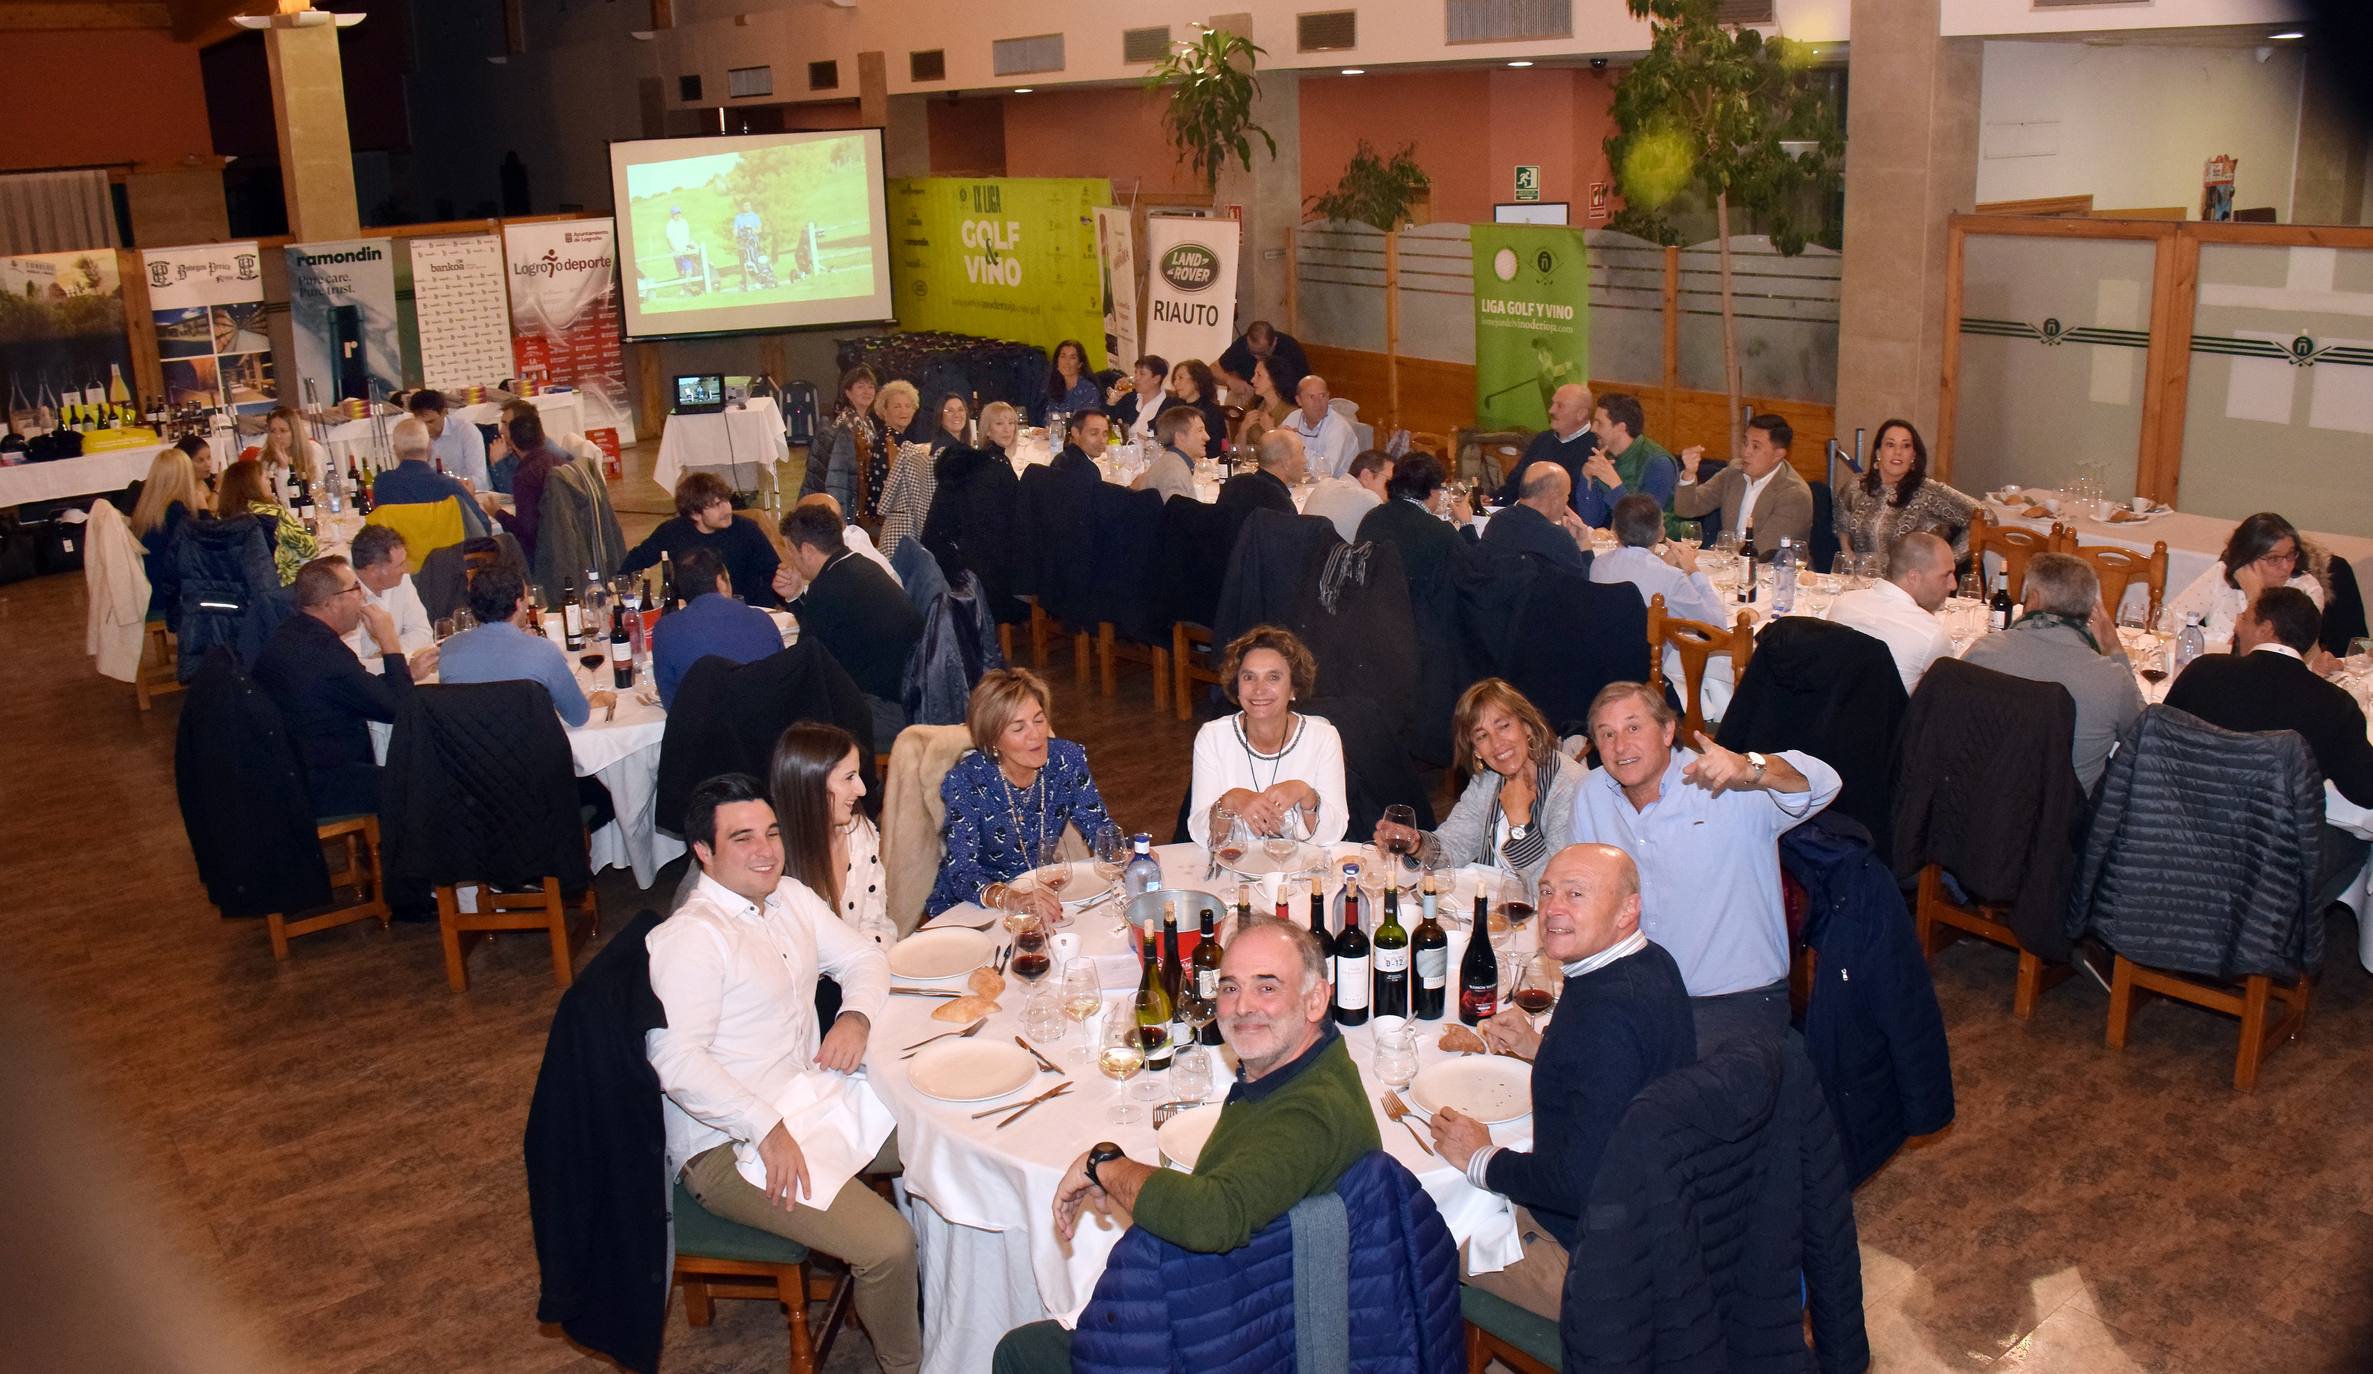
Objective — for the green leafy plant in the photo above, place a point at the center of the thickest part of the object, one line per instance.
(1712, 105)
(1375, 190)
(1212, 87)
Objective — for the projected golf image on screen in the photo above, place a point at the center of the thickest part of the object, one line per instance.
(756, 232)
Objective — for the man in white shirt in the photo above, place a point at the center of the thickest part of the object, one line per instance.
(1327, 437)
(457, 444)
(1346, 500)
(379, 559)
(735, 968)
(1759, 492)
(1901, 611)
(1135, 404)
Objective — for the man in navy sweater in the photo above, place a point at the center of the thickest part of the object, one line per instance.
(1622, 1022)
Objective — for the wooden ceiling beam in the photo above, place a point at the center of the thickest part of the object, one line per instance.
(102, 14)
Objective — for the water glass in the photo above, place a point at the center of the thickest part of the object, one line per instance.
(1395, 1059)
(1043, 1019)
(1191, 1074)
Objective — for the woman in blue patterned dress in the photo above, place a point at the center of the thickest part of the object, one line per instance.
(1015, 788)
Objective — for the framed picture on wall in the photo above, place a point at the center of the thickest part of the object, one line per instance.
(1533, 212)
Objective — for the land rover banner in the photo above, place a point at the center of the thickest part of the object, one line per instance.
(1532, 320)
(342, 312)
(1190, 287)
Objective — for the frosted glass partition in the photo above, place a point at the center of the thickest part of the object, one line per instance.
(2280, 411)
(1786, 310)
(1626, 309)
(2054, 342)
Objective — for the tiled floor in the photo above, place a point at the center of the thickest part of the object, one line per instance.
(330, 1147)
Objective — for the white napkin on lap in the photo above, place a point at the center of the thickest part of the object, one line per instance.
(839, 1126)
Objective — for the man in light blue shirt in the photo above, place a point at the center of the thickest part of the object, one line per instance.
(496, 649)
(1704, 826)
(1326, 436)
(1673, 574)
(454, 442)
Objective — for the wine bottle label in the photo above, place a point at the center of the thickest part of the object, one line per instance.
(1433, 967)
(572, 617)
(1392, 959)
(621, 651)
(1207, 984)
(1351, 984)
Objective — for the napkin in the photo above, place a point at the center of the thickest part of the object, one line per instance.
(839, 1125)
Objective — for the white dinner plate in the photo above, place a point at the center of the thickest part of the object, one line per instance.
(1183, 1136)
(932, 955)
(1491, 1088)
(1084, 888)
(970, 1070)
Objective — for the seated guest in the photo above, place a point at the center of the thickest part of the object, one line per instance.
(380, 561)
(1136, 402)
(2265, 684)
(412, 482)
(523, 439)
(1759, 493)
(831, 848)
(1703, 825)
(2068, 637)
(243, 491)
(849, 607)
(895, 407)
(955, 418)
(1271, 485)
(168, 496)
(2264, 551)
(1262, 342)
(1623, 1022)
(457, 445)
(1542, 522)
(1327, 438)
(1626, 462)
(710, 624)
(1191, 385)
(284, 453)
(499, 649)
(1346, 500)
(735, 970)
(1655, 565)
(1408, 522)
(1520, 789)
(854, 535)
(1001, 433)
(1171, 469)
(1010, 793)
(1070, 387)
(1263, 408)
(1268, 761)
(1091, 431)
(843, 446)
(1296, 1117)
(1897, 496)
(704, 519)
(1901, 611)
(326, 700)
(1569, 442)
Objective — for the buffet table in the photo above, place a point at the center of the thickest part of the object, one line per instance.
(742, 444)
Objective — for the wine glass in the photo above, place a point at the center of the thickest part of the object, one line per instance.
(1197, 1011)
(1537, 985)
(1120, 1054)
(1404, 816)
(1229, 843)
(1290, 830)
(1031, 962)
(1083, 998)
(1054, 874)
(1150, 1008)
(1111, 850)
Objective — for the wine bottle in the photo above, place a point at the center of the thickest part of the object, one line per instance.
(1244, 903)
(572, 616)
(1318, 924)
(667, 582)
(1153, 1004)
(1430, 954)
(301, 495)
(1175, 981)
(117, 392)
(1392, 959)
(1747, 566)
(621, 651)
(1479, 972)
(1998, 610)
(1351, 957)
(1206, 963)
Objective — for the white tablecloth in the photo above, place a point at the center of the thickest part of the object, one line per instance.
(990, 1259)
(104, 471)
(2193, 541)
(747, 441)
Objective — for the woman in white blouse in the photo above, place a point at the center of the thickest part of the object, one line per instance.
(828, 844)
(2265, 551)
(1268, 760)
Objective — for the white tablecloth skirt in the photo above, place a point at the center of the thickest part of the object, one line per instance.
(748, 441)
(91, 474)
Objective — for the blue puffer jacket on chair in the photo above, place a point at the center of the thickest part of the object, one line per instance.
(1159, 1307)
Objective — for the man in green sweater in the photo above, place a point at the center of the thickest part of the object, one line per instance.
(1295, 1119)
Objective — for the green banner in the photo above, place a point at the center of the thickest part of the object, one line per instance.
(1006, 258)
(1532, 320)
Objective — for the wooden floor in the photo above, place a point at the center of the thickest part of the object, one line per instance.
(329, 1148)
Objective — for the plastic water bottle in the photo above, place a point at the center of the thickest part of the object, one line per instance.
(1058, 426)
(2190, 644)
(1784, 578)
(1143, 873)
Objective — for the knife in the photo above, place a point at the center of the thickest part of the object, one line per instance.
(1025, 1111)
(1030, 1102)
(1043, 1062)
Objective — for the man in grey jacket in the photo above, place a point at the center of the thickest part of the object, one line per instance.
(2067, 636)
(1759, 493)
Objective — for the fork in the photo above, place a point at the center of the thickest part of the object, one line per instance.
(965, 1034)
(1399, 1111)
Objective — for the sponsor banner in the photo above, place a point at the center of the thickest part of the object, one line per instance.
(1532, 320)
(463, 311)
(1005, 258)
(564, 320)
(342, 317)
(61, 334)
(1190, 287)
(208, 302)
(1116, 249)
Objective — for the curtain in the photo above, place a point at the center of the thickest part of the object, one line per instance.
(56, 212)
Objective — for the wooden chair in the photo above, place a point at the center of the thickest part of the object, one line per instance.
(1938, 920)
(1697, 643)
(716, 1258)
(2252, 1001)
(543, 909)
(358, 838)
(2118, 569)
(164, 677)
(2014, 545)
(1110, 647)
(1186, 641)
(1498, 1329)
(1043, 628)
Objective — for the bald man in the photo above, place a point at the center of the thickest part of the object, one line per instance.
(1622, 1021)
(1270, 486)
(1568, 442)
(1542, 522)
(1901, 611)
(1328, 439)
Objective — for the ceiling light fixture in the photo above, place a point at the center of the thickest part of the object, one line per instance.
(1520, 64)
(1024, 90)
(1355, 71)
(2286, 35)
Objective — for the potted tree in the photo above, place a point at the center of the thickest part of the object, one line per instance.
(1375, 190)
(1211, 87)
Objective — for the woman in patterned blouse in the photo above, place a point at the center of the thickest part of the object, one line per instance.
(1896, 497)
(1016, 788)
(828, 844)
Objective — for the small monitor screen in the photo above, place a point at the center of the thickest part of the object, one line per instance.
(704, 390)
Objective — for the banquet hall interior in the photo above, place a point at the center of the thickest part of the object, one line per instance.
(1962, 309)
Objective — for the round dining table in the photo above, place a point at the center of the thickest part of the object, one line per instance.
(981, 1197)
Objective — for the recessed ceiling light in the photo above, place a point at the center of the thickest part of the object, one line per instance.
(1520, 64)
(1023, 90)
(1355, 71)
(2286, 34)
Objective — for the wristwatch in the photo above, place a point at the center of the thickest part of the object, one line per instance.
(1101, 1153)
(1760, 763)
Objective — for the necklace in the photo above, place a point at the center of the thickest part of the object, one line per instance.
(1013, 810)
(1254, 758)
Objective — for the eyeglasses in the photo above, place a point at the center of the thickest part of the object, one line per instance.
(350, 587)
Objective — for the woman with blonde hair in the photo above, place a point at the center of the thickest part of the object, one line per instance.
(912, 475)
(1268, 763)
(243, 490)
(1520, 790)
(1010, 794)
(168, 496)
(284, 446)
